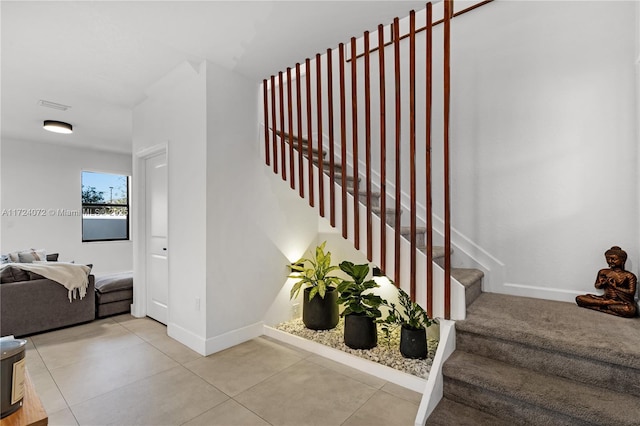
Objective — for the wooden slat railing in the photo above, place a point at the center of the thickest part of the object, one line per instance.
(383, 152)
(281, 113)
(428, 183)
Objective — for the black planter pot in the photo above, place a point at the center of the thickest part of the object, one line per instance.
(360, 332)
(319, 313)
(413, 343)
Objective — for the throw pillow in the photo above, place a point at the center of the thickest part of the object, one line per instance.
(13, 256)
(29, 256)
(4, 258)
(53, 257)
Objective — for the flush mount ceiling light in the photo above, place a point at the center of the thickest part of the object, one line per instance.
(58, 126)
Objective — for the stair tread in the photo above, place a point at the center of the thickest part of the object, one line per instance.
(407, 229)
(448, 413)
(530, 321)
(467, 276)
(389, 210)
(438, 251)
(567, 397)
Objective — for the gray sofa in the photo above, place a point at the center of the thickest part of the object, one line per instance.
(31, 304)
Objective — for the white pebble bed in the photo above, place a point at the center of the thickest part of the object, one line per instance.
(386, 353)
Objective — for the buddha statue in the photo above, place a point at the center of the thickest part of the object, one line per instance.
(619, 287)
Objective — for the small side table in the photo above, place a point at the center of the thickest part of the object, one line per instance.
(32, 412)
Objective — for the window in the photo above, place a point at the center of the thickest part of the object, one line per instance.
(105, 207)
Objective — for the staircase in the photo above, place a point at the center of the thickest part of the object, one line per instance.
(470, 278)
(530, 361)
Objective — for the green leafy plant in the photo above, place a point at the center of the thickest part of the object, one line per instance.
(410, 314)
(353, 293)
(314, 273)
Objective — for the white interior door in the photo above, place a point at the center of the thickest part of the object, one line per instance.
(157, 272)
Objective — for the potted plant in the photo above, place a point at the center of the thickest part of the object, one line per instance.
(413, 321)
(320, 298)
(361, 308)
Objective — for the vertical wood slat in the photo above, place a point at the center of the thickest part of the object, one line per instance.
(320, 141)
(292, 165)
(299, 117)
(447, 195)
(332, 173)
(383, 154)
(396, 55)
(429, 206)
(354, 131)
(283, 152)
(273, 124)
(343, 139)
(307, 65)
(412, 150)
(265, 96)
(367, 118)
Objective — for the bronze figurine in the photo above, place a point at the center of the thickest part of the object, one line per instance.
(619, 287)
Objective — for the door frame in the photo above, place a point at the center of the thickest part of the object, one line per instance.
(139, 306)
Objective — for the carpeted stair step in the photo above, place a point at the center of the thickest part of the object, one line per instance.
(555, 337)
(390, 214)
(451, 413)
(421, 235)
(526, 396)
(438, 253)
(338, 178)
(471, 279)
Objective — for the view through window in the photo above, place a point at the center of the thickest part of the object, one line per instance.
(105, 207)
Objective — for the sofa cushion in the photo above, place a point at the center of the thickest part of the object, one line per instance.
(114, 282)
(9, 274)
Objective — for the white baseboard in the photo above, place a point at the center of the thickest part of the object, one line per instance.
(217, 343)
(233, 337)
(187, 338)
(525, 290)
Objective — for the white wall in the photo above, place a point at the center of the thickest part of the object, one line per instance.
(545, 147)
(233, 227)
(47, 178)
(174, 114)
(256, 225)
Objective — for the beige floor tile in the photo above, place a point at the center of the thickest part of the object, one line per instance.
(240, 367)
(402, 392)
(229, 413)
(168, 398)
(306, 394)
(358, 375)
(174, 349)
(384, 409)
(96, 343)
(62, 418)
(48, 391)
(93, 328)
(86, 379)
(145, 328)
(301, 352)
(34, 361)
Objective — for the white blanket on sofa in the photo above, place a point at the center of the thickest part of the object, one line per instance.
(73, 277)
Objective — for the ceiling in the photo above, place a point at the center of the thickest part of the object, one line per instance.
(99, 57)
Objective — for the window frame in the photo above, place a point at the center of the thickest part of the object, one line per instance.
(107, 206)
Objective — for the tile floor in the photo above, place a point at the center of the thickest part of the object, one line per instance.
(126, 371)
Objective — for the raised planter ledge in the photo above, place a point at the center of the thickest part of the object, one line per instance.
(431, 389)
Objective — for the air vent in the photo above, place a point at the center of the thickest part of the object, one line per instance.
(53, 105)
